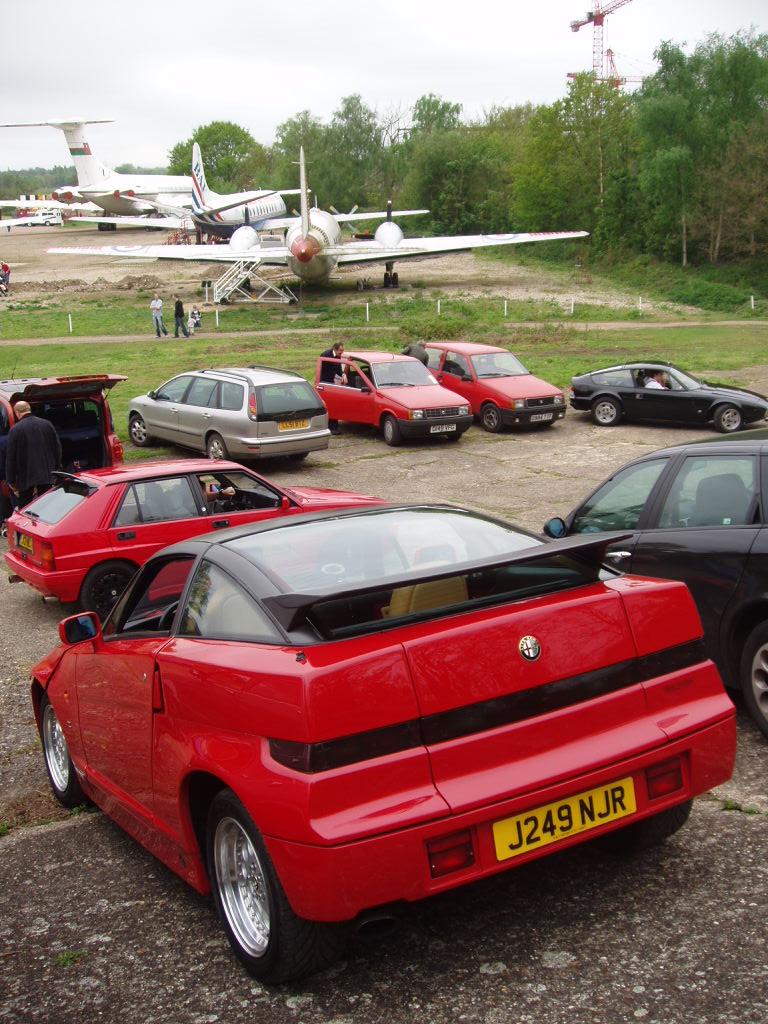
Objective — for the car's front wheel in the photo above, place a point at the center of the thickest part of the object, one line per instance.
(606, 412)
(137, 428)
(728, 419)
(490, 417)
(272, 942)
(215, 447)
(103, 585)
(58, 763)
(391, 431)
(754, 675)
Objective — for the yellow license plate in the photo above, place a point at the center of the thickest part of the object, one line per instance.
(24, 541)
(293, 425)
(552, 823)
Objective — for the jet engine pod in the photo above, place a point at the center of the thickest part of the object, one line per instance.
(388, 234)
(243, 239)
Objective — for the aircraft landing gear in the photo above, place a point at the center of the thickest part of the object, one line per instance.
(391, 280)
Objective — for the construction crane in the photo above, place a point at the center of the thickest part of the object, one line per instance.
(596, 19)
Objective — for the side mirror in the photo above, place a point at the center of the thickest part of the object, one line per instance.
(285, 503)
(555, 528)
(365, 390)
(151, 394)
(78, 628)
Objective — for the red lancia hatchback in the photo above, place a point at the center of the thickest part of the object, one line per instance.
(500, 390)
(84, 539)
(325, 715)
(395, 393)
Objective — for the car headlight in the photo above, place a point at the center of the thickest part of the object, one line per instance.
(416, 414)
(558, 399)
(463, 410)
(518, 403)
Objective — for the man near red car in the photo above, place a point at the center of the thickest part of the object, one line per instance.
(33, 453)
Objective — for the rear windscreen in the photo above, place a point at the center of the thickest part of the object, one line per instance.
(278, 401)
(55, 504)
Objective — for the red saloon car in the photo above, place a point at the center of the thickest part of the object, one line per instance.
(325, 715)
(395, 393)
(500, 390)
(84, 539)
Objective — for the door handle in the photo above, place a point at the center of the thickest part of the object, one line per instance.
(220, 524)
(126, 535)
(617, 556)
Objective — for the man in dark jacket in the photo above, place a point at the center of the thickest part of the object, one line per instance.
(33, 453)
(178, 317)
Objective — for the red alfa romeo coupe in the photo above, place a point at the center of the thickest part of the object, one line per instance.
(325, 715)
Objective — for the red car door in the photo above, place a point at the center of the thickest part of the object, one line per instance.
(114, 693)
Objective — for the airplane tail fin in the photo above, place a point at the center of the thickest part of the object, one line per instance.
(304, 195)
(202, 196)
(89, 170)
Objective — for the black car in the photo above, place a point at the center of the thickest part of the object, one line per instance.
(658, 391)
(698, 513)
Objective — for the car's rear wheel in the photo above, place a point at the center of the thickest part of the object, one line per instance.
(103, 585)
(606, 412)
(272, 942)
(641, 835)
(215, 447)
(754, 675)
(728, 419)
(490, 417)
(391, 431)
(58, 763)
(137, 428)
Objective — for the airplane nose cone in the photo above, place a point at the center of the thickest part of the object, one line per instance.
(304, 249)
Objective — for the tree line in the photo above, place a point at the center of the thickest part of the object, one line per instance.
(675, 170)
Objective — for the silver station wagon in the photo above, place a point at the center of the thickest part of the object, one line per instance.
(244, 413)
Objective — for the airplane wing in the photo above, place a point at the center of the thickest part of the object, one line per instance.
(277, 255)
(365, 251)
(171, 223)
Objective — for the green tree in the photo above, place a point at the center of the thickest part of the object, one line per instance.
(223, 145)
(432, 114)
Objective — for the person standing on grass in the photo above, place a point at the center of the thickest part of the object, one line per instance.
(156, 305)
(33, 453)
(178, 317)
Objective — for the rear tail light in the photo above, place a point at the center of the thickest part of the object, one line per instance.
(117, 450)
(45, 552)
(664, 778)
(450, 853)
(252, 411)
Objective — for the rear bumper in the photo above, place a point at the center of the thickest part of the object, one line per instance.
(337, 883)
(63, 585)
(269, 447)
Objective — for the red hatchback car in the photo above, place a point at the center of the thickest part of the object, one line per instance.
(501, 391)
(84, 539)
(326, 715)
(395, 393)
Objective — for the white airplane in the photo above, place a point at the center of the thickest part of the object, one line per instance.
(313, 246)
(113, 191)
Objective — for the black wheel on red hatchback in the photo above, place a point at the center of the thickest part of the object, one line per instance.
(103, 585)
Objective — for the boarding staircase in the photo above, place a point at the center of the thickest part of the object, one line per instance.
(238, 280)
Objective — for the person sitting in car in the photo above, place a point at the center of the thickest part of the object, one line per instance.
(656, 380)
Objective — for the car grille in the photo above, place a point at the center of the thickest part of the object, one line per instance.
(433, 414)
(538, 402)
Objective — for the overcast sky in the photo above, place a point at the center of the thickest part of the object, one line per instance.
(161, 70)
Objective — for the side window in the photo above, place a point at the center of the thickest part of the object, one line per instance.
(160, 500)
(456, 364)
(174, 390)
(150, 604)
(619, 503)
(231, 396)
(434, 355)
(128, 514)
(217, 606)
(619, 378)
(234, 491)
(712, 490)
(203, 392)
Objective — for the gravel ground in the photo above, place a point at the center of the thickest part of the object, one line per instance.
(94, 929)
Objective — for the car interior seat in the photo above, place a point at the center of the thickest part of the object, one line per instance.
(421, 597)
(722, 500)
